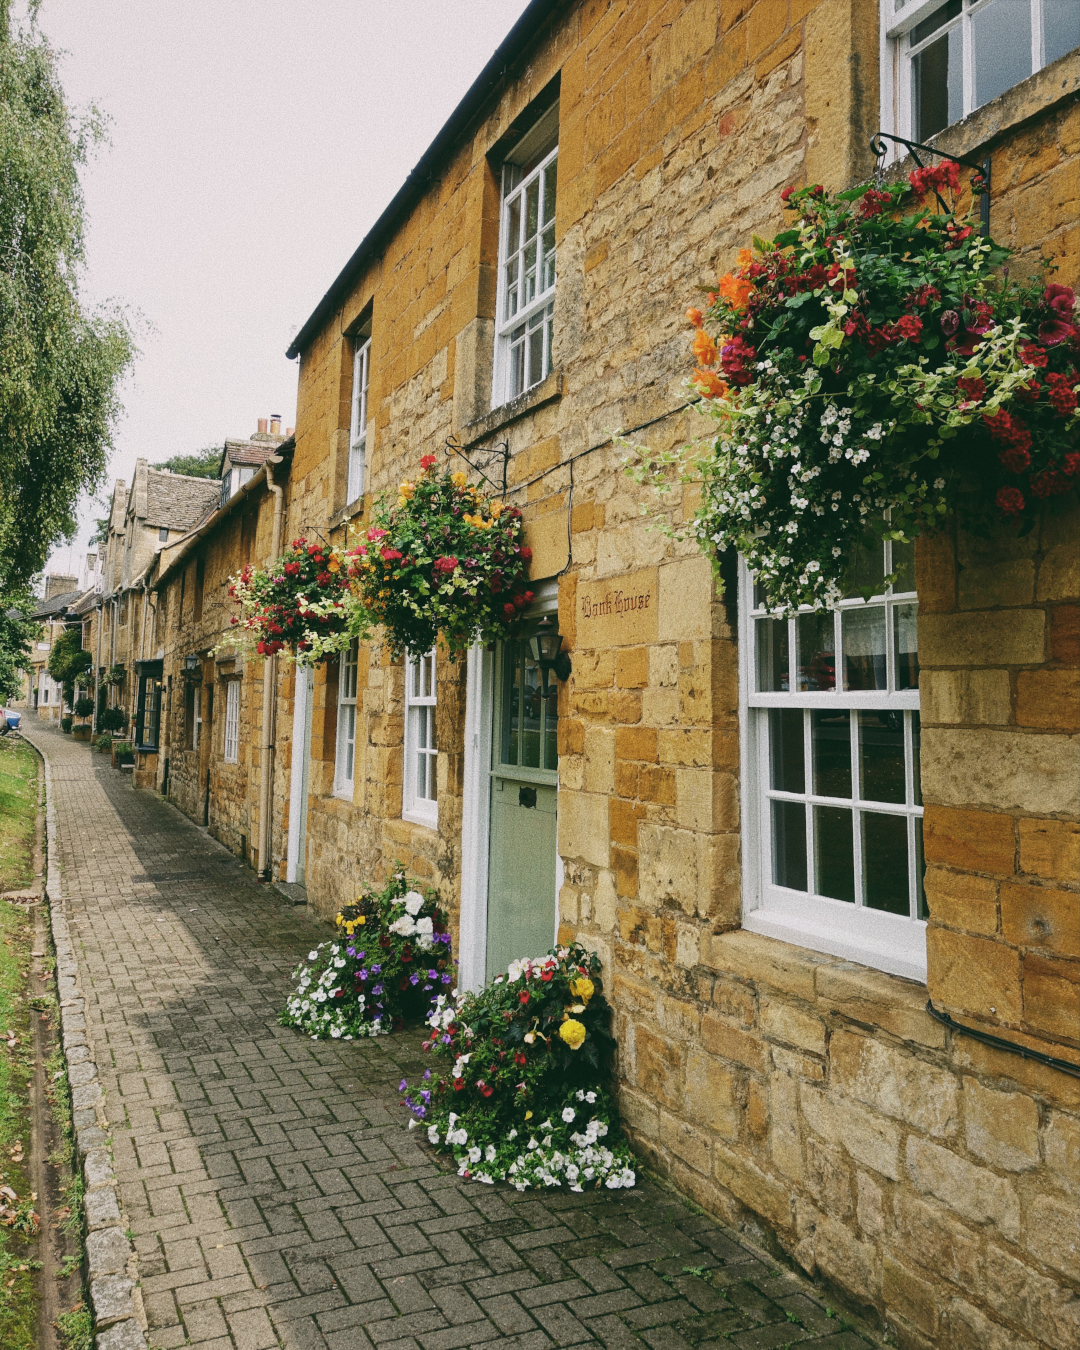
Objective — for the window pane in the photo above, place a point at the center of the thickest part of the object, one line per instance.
(530, 747)
(517, 361)
(532, 204)
(815, 645)
(512, 286)
(536, 354)
(530, 273)
(513, 226)
(934, 22)
(867, 569)
(511, 704)
(1001, 45)
(547, 242)
(881, 756)
(421, 728)
(921, 912)
(551, 727)
(789, 845)
(906, 636)
(786, 750)
(772, 655)
(903, 565)
(916, 761)
(937, 84)
(350, 740)
(1061, 28)
(830, 735)
(885, 862)
(864, 648)
(834, 853)
(551, 174)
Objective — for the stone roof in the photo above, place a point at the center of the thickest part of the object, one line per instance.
(48, 609)
(254, 449)
(178, 501)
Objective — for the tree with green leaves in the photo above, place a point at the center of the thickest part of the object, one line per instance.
(203, 463)
(67, 660)
(17, 634)
(60, 361)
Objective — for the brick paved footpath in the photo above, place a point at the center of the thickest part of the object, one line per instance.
(275, 1194)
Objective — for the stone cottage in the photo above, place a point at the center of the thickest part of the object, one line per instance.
(519, 303)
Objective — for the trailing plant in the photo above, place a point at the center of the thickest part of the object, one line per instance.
(442, 558)
(114, 675)
(528, 1098)
(386, 965)
(301, 601)
(67, 660)
(865, 368)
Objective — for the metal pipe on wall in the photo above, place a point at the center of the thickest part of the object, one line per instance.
(269, 682)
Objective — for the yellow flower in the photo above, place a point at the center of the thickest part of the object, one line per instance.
(406, 490)
(572, 1032)
(458, 479)
(496, 509)
(361, 920)
(528, 1115)
(583, 988)
(333, 565)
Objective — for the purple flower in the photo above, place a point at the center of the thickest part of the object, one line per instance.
(377, 990)
(376, 970)
(362, 974)
(360, 955)
(402, 1085)
(427, 1074)
(445, 1039)
(414, 979)
(433, 974)
(350, 951)
(446, 979)
(425, 1097)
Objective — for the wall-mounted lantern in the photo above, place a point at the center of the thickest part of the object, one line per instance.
(546, 647)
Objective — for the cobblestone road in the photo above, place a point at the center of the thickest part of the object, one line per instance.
(277, 1198)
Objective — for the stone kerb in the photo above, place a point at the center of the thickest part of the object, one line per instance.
(119, 1320)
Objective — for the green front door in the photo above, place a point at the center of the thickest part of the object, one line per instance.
(524, 787)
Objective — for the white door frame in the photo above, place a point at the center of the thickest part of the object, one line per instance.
(301, 749)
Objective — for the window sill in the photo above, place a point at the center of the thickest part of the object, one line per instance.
(419, 818)
(344, 793)
(547, 391)
(346, 513)
(901, 951)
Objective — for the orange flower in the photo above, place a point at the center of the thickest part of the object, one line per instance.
(708, 384)
(694, 315)
(735, 290)
(746, 257)
(704, 348)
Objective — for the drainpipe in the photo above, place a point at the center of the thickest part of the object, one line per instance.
(269, 683)
(97, 661)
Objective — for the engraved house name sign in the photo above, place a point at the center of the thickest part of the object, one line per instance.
(618, 611)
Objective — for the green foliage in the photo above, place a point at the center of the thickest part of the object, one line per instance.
(61, 362)
(65, 724)
(301, 600)
(103, 743)
(67, 660)
(528, 1097)
(83, 707)
(18, 809)
(202, 464)
(390, 959)
(112, 719)
(17, 634)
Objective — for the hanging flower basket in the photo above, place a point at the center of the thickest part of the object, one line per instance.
(388, 964)
(866, 368)
(442, 558)
(527, 1097)
(301, 601)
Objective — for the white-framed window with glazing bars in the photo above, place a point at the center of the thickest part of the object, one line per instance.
(232, 722)
(525, 300)
(358, 419)
(949, 57)
(833, 805)
(345, 749)
(421, 752)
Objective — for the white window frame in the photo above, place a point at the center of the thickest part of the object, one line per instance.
(420, 804)
(898, 18)
(358, 420)
(515, 308)
(345, 744)
(232, 722)
(853, 931)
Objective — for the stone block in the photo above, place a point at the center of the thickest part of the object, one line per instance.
(1041, 916)
(583, 827)
(869, 1138)
(971, 1329)
(965, 697)
(785, 1143)
(973, 1192)
(784, 1022)
(712, 1094)
(632, 668)
(101, 1208)
(765, 1194)
(107, 1252)
(973, 974)
(975, 841)
(1002, 1128)
(111, 1299)
(706, 800)
(125, 1335)
(869, 1205)
(766, 961)
(1052, 1234)
(960, 900)
(934, 1238)
(664, 665)
(636, 743)
(1061, 1149)
(1052, 995)
(1050, 849)
(1040, 1304)
(692, 1146)
(895, 1082)
(986, 638)
(1049, 699)
(686, 600)
(1065, 633)
(740, 1047)
(1001, 770)
(658, 1067)
(881, 1000)
(840, 1256)
(908, 1296)
(935, 575)
(598, 773)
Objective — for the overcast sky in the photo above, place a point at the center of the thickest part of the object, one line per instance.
(253, 144)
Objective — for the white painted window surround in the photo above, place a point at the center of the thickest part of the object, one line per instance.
(525, 299)
(832, 806)
(420, 803)
(358, 419)
(345, 751)
(942, 59)
(232, 721)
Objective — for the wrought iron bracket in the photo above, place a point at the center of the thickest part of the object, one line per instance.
(879, 150)
(499, 453)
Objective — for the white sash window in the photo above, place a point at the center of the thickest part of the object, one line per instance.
(358, 420)
(345, 752)
(232, 722)
(830, 706)
(421, 754)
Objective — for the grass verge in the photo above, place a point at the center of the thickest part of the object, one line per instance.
(18, 813)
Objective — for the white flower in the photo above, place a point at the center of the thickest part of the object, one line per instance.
(590, 1097)
(489, 1153)
(414, 902)
(568, 1114)
(433, 1134)
(311, 956)
(403, 926)
(475, 1154)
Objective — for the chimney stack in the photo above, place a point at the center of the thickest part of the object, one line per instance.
(59, 585)
(262, 427)
(275, 424)
(290, 431)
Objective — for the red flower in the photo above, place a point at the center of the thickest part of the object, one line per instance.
(1016, 459)
(519, 1058)
(1060, 392)
(324, 578)
(523, 997)
(1032, 355)
(1010, 500)
(945, 174)
(459, 1083)
(426, 461)
(922, 297)
(785, 196)
(526, 552)
(374, 534)
(445, 563)
(872, 202)
(1071, 464)
(1054, 332)
(292, 569)
(519, 601)
(546, 976)
(485, 1088)
(1060, 300)
(736, 359)
(509, 611)
(391, 555)
(972, 386)
(907, 326)
(496, 584)
(1050, 483)
(314, 551)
